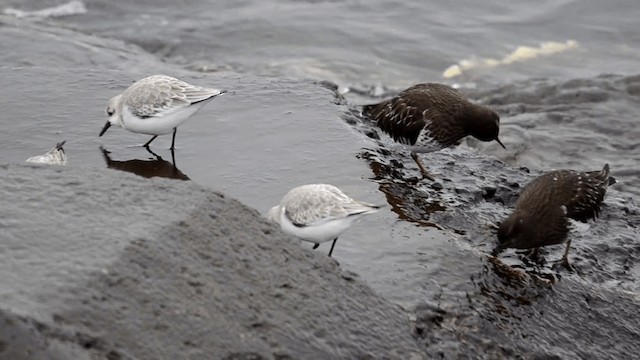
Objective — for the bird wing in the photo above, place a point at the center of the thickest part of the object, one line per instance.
(161, 95)
(430, 107)
(193, 94)
(581, 193)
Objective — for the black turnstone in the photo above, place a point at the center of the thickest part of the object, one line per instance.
(430, 117)
(542, 212)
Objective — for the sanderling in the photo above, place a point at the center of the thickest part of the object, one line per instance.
(318, 213)
(430, 117)
(156, 105)
(55, 156)
(542, 212)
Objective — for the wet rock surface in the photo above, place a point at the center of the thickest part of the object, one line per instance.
(104, 264)
(152, 268)
(479, 306)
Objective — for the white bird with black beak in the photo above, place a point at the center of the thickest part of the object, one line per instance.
(318, 213)
(156, 105)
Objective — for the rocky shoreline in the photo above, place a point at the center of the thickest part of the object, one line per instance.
(104, 264)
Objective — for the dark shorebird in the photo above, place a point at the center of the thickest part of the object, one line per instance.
(542, 212)
(430, 117)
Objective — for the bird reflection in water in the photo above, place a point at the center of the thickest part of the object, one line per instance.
(154, 167)
(405, 198)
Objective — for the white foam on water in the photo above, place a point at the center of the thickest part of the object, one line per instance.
(520, 54)
(74, 7)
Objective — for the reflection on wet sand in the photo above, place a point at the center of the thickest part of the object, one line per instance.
(154, 167)
(400, 193)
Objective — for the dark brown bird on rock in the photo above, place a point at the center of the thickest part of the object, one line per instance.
(430, 117)
(542, 212)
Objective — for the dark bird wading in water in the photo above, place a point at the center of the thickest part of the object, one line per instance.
(542, 212)
(430, 117)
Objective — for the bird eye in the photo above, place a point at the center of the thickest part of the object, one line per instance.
(110, 111)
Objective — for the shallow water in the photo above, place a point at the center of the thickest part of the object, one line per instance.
(543, 68)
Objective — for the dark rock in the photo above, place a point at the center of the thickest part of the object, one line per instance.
(489, 192)
(373, 134)
(515, 307)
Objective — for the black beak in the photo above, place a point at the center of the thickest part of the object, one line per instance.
(498, 140)
(105, 128)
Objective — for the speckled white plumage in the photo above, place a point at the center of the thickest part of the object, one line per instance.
(156, 105)
(55, 156)
(318, 213)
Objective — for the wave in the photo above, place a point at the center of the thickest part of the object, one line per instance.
(71, 8)
(522, 53)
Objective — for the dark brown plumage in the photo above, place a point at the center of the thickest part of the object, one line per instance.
(542, 212)
(430, 117)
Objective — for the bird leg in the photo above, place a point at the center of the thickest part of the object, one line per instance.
(173, 159)
(152, 153)
(423, 169)
(534, 254)
(332, 245)
(149, 142)
(315, 246)
(565, 258)
(173, 140)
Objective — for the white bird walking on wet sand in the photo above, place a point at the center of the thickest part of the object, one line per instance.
(156, 105)
(318, 213)
(55, 156)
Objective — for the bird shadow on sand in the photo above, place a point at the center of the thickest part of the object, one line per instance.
(155, 166)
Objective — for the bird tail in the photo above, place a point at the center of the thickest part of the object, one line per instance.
(362, 208)
(60, 145)
(368, 109)
(605, 177)
(372, 111)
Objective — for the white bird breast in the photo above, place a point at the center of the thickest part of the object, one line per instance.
(320, 232)
(162, 123)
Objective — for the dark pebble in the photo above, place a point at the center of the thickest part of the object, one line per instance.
(489, 192)
(372, 134)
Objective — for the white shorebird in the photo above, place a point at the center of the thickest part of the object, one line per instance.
(55, 156)
(318, 213)
(156, 105)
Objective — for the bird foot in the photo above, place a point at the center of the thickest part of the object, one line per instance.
(564, 263)
(152, 153)
(535, 256)
(427, 175)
